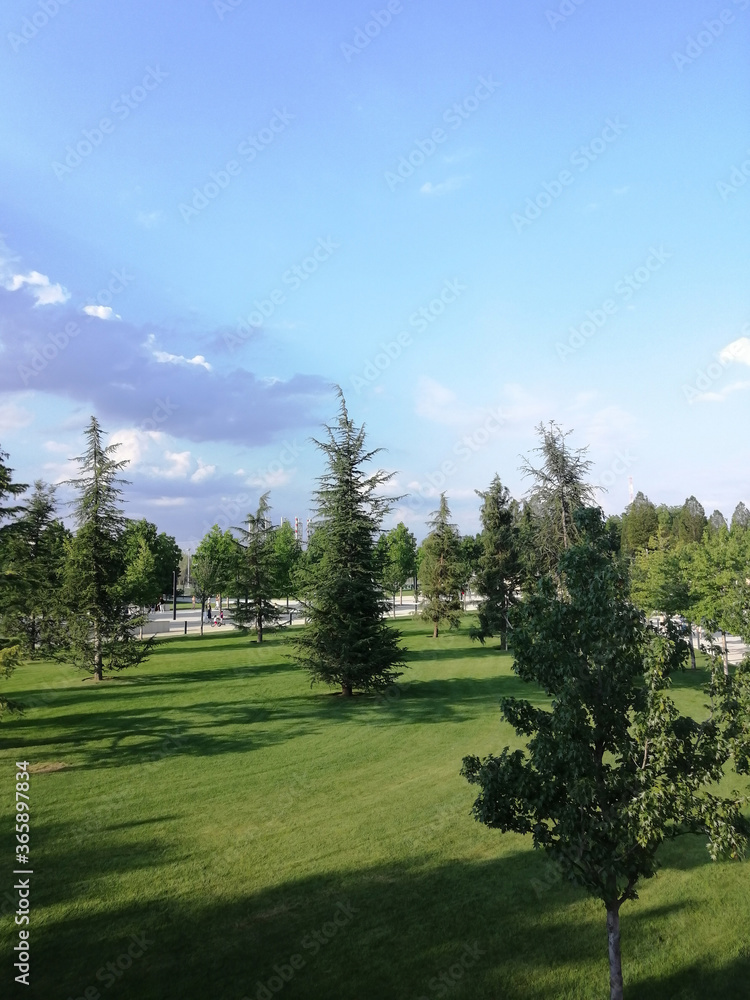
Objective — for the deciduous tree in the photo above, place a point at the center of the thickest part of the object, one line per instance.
(610, 769)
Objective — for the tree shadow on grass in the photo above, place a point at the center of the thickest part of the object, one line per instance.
(378, 931)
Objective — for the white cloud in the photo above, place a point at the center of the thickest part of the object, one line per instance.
(435, 401)
(452, 184)
(167, 501)
(722, 394)
(164, 357)
(45, 293)
(101, 312)
(203, 472)
(270, 478)
(13, 417)
(179, 467)
(738, 350)
(134, 444)
(57, 447)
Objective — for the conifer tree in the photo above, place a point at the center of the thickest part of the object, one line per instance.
(346, 640)
(558, 490)
(257, 571)
(34, 553)
(499, 572)
(441, 571)
(102, 629)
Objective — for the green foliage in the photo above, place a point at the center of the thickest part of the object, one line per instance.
(640, 525)
(691, 521)
(397, 552)
(214, 566)
(100, 625)
(257, 573)
(720, 568)
(33, 552)
(441, 571)
(613, 769)
(346, 641)
(10, 657)
(559, 488)
(156, 573)
(499, 565)
(287, 554)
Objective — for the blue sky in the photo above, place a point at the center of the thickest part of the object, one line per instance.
(473, 218)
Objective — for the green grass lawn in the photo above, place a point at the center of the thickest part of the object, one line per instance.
(236, 820)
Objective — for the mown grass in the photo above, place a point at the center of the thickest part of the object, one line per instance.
(214, 802)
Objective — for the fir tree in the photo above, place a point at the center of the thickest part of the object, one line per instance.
(441, 571)
(559, 489)
(99, 621)
(499, 572)
(257, 573)
(34, 555)
(346, 641)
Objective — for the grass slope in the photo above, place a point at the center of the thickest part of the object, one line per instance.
(215, 803)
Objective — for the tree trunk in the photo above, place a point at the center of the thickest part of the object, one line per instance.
(692, 647)
(346, 689)
(260, 629)
(203, 612)
(725, 652)
(435, 631)
(615, 959)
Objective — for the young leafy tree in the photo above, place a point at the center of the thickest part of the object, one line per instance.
(441, 571)
(499, 572)
(660, 583)
(141, 584)
(721, 591)
(610, 769)
(214, 565)
(559, 488)
(34, 555)
(287, 553)
(397, 551)
(346, 641)
(402, 547)
(99, 621)
(166, 556)
(257, 571)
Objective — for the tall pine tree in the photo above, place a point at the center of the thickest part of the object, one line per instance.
(441, 571)
(346, 641)
(257, 571)
(102, 629)
(499, 571)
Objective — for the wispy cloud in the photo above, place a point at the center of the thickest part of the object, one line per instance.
(444, 187)
(165, 358)
(149, 219)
